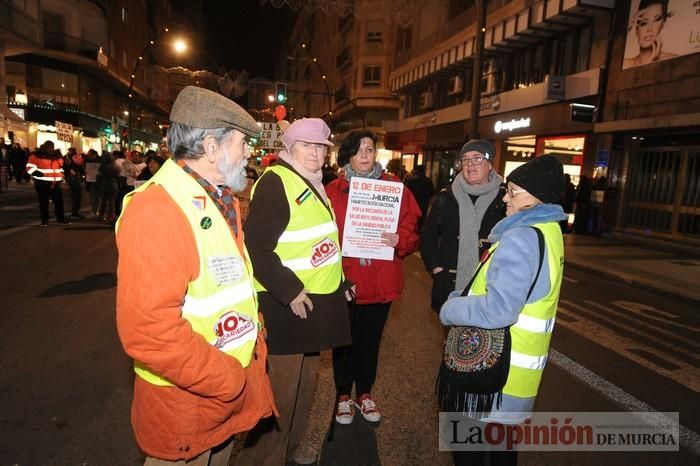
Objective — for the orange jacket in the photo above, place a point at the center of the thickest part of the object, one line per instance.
(45, 168)
(214, 396)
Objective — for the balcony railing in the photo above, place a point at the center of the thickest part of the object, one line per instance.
(344, 21)
(340, 95)
(19, 23)
(65, 43)
(101, 4)
(343, 58)
(459, 23)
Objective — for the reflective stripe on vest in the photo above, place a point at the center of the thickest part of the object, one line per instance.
(221, 303)
(532, 332)
(50, 169)
(309, 245)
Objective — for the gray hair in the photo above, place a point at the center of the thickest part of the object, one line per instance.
(187, 142)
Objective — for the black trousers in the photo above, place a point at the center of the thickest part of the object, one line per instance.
(75, 198)
(48, 190)
(357, 363)
(485, 458)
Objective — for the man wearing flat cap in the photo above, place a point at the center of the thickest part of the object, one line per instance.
(187, 310)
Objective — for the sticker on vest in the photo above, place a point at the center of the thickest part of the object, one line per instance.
(322, 251)
(234, 330)
(225, 269)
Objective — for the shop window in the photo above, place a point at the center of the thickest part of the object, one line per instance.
(372, 76)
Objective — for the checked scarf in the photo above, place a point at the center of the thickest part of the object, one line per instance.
(223, 197)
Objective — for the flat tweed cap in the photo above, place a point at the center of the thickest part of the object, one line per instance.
(201, 108)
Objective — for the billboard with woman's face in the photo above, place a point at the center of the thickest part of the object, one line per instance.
(661, 29)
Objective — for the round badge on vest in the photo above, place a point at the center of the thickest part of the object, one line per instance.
(205, 223)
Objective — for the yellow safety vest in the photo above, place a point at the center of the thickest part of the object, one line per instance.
(531, 334)
(309, 245)
(221, 303)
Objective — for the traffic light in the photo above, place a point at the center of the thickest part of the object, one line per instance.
(281, 92)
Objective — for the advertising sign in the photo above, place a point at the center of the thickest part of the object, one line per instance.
(373, 208)
(660, 30)
(270, 136)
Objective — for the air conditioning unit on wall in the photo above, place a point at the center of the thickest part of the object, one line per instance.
(426, 100)
(456, 85)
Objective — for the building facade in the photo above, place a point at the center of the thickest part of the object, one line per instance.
(79, 70)
(337, 64)
(542, 75)
(649, 129)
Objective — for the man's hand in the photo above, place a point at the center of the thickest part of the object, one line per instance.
(300, 303)
(390, 239)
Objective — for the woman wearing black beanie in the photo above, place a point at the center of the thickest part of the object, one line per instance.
(515, 288)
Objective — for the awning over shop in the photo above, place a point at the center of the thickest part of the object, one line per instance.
(10, 116)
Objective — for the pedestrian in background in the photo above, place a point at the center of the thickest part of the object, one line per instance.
(45, 166)
(582, 206)
(132, 168)
(153, 164)
(75, 174)
(194, 331)
(18, 160)
(379, 282)
(107, 181)
(455, 234)
(516, 287)
(423, 190)
(293, 242)
(567, 202)
(92, 167)
(121, 181)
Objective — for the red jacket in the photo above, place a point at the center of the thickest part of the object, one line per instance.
(381, 281)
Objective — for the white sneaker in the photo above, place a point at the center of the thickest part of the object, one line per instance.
(345, 411)
(368, 408)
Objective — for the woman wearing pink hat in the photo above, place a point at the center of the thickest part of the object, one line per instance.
(292, 239)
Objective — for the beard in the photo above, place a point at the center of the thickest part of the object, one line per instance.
(234, 172)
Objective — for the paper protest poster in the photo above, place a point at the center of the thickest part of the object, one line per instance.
(373, 208)
(91, 169)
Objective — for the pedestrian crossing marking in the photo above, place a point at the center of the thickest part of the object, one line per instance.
(688, 375)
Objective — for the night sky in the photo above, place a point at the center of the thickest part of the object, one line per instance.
(242, 35)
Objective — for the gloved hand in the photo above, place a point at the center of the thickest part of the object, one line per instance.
(38, 173)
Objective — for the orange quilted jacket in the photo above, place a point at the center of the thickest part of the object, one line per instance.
(214, 397)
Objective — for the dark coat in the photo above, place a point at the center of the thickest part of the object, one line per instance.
(328, 325)
(439, 240)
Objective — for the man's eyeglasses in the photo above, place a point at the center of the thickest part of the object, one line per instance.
(514, 192)
(473, 160)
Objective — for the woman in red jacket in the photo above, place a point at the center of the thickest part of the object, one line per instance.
(379, 282)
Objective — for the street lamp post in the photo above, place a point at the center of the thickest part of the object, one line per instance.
(476, 68)
(324, 78)
(179, 46)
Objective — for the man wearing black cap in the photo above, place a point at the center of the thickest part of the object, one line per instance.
(517, 287)
(187, 310)
(455, 232)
